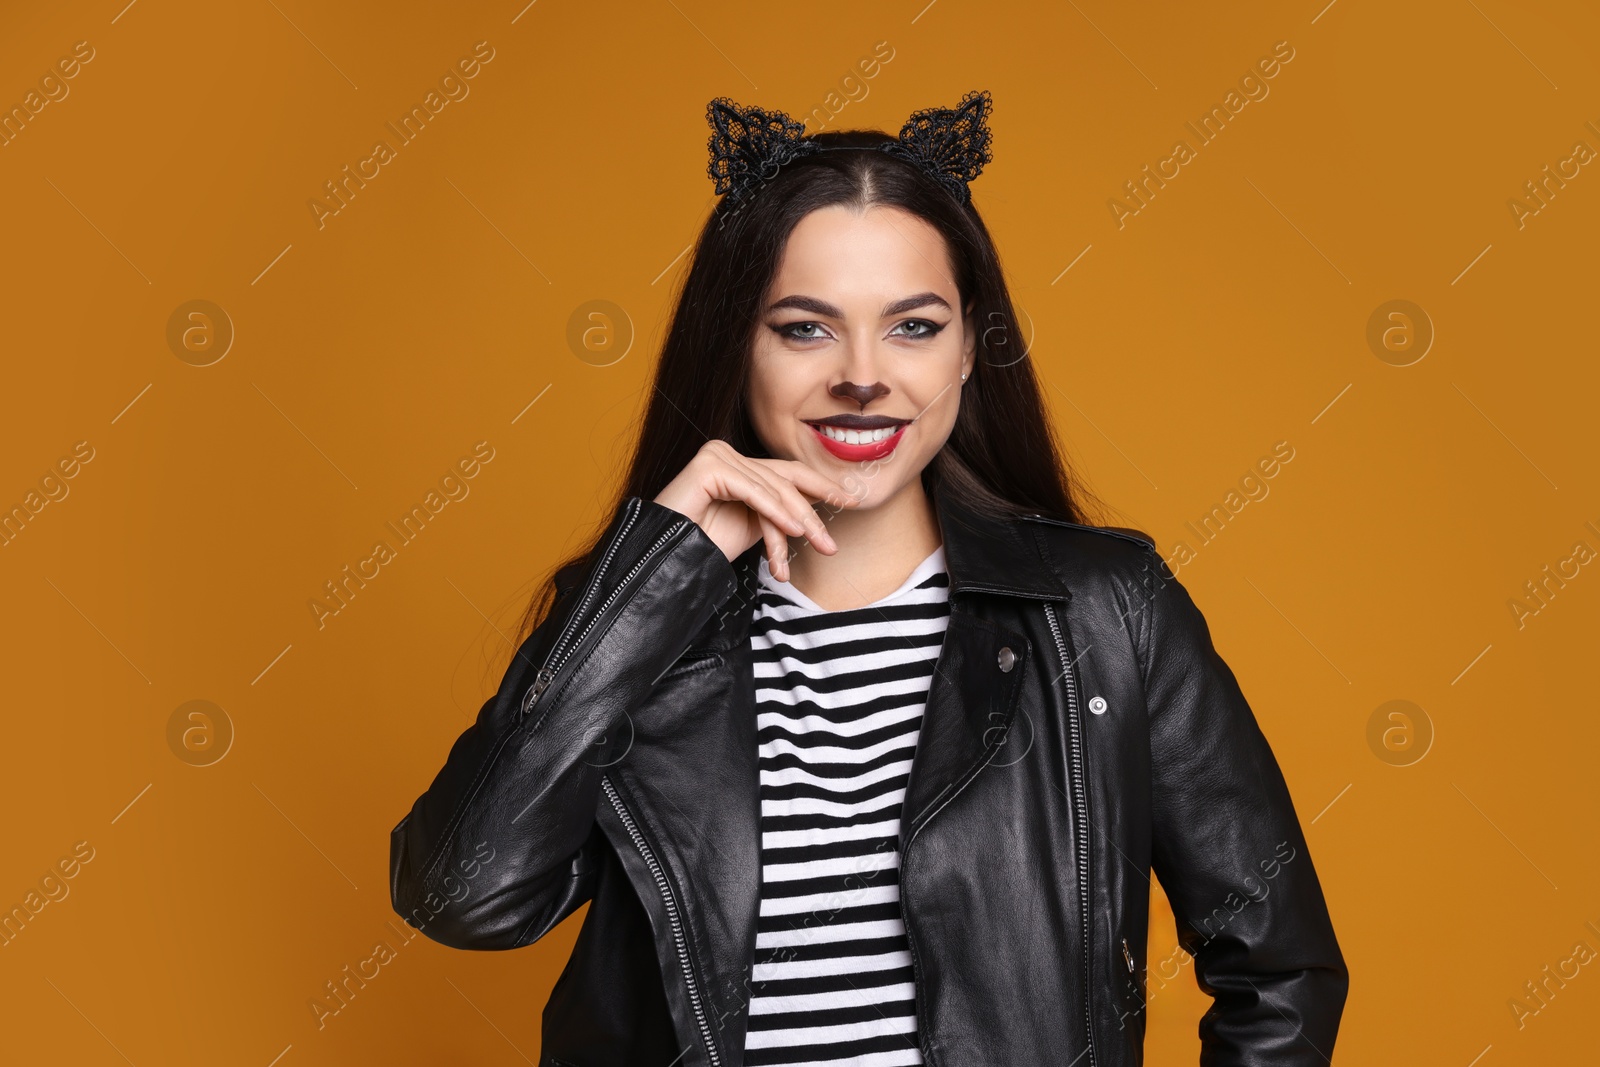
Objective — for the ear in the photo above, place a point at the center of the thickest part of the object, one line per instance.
(969, 353)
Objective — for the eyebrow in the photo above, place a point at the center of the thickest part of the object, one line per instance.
(898, 307)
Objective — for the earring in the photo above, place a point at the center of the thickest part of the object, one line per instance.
(963, 377)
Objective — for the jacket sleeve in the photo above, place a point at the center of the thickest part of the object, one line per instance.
(501, 846)
(1229, 851)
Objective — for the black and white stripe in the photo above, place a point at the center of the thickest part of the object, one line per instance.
(839, 703)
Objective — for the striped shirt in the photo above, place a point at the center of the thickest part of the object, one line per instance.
(839, 703)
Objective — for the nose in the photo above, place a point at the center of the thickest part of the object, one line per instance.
(861, 394)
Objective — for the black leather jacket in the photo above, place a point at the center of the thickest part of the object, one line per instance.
(1080, 732)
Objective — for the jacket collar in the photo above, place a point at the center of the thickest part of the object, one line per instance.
(983, 554)
(994, 554)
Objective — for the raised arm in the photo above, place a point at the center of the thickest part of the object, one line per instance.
(1229, 850)
(499, 849)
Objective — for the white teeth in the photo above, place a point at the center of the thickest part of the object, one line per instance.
(857, 437)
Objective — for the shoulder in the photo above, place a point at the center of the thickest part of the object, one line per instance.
(1078, 530)
(1083, 551)
(1108, 569)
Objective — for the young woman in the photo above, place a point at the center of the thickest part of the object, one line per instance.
(859, 741)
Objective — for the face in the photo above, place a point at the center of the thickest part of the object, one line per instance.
(858, 354)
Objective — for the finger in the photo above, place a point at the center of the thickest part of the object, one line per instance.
(814, 483)
(736, 481)
(815, 531)
(811, 482)
(777, 545)
(832, 496)
(803, 521)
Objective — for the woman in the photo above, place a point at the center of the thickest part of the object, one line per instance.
(859, 742)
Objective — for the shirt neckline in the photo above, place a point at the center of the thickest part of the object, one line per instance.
(933, 564)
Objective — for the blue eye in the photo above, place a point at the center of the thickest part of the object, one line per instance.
(790, 330)
(928, 329)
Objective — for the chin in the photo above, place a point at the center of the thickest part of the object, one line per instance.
(875, 490)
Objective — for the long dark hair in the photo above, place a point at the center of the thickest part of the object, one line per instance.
(1002, 456)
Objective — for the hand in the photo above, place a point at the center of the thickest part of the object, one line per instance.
(739, 500)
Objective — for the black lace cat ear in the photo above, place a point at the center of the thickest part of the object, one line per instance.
(952, 144)
(749, 144)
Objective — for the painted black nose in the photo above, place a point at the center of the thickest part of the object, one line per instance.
(861, 394)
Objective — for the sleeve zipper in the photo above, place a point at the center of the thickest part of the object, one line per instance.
(564, 647)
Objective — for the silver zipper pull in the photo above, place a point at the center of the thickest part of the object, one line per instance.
(540, 683)
(1127, 956)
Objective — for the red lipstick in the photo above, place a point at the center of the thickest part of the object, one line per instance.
(859, 453)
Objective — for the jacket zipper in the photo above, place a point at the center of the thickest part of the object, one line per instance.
(1081, 803)
(672, 914)
(564, 647)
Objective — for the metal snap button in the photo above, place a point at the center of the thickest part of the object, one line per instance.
(1098, 705)
(1007, 659)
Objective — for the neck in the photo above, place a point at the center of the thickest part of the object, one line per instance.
(879, 547)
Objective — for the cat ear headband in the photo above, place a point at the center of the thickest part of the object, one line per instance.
(748, 144)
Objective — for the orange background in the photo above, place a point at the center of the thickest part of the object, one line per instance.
(370, 354)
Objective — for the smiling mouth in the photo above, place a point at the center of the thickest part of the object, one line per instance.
(859, 438)
(857, 429)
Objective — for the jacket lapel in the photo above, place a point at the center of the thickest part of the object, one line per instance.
(990, 554)
(972, 700)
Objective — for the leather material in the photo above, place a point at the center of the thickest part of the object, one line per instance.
(1041, 798)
